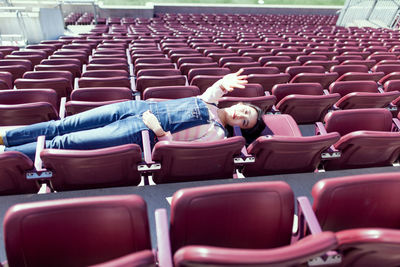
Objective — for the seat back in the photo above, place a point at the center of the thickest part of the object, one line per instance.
(105, 73)
(144, 82)
(170, 92)
(203, 82)
(393, 85)
(361, 76)
(347, 121)
(386, 68)
(61, 85)
(346, 87)
(267, 81)
(358, 201)
(96, 168)
(158, 72)
(260, 70)
(118, 81)
(363, 149)
(304, 58)
(49, 75)
(325, 79)
(342, 69)
(190, 161)
(23, 107)
(13, 166)
(101, 94)
(358, 100)
(294, 70)
(207, 71)
(74, 69)
(272, 153)
(282, 90)
(75, 232)
(200, 216)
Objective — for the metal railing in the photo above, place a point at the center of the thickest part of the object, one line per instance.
(375, 13)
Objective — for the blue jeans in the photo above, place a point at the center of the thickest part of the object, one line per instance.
(106, 126)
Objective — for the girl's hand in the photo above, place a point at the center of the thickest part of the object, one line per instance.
(152, 123)
(234, 80)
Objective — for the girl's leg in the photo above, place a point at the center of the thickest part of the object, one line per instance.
(126, 131)
(94, 118)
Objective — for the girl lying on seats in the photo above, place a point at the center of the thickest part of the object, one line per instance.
(186, 119)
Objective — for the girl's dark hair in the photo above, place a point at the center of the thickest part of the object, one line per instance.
(250, 134)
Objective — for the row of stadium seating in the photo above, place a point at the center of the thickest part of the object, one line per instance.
(245, 224)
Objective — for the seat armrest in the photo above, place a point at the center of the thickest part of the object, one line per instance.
(61, 112)
(396, 125)
(39, 172)
(245, 157)
(331, 152)
(320, 128)
(148, 165)
(306, 218)
(163, 240)
(391, 107)
(273, 110)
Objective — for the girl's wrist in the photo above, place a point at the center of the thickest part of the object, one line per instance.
(159, 132)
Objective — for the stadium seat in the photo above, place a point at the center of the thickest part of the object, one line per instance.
(105, 78)
(6, 80)
(59, 81)
(207, 71)
(72, 65)
(13, 168)
(260, 70)
(105, 73)
(153, 60)
(361, 94)
(17, 67)
(368, 63)
(392, 85)
(23, 107)
(253, 93)
(268, 80)
(83, 99)
(305, 102)
(344, 205)
(143, 66)
(282, 142)
(325, 79)
(108, 167)
(366, 138)
(342, 69)
(304, 58)
(197, 239)
(191, 161)
(326, 64)
(294, 70)
(69, 227)
(34, 56)
(145, 81)
(170, 92)
(186, 67)
(158, 72)
(361, 76)
(386, 68)
(282, 66)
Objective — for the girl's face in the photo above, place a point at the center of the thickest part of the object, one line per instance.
(241, 115)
